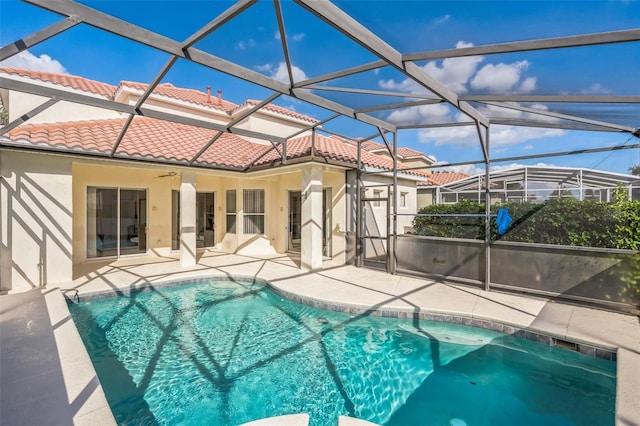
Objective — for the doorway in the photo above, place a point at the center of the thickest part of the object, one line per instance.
(295, 222)
(205, 220)
(294, 234)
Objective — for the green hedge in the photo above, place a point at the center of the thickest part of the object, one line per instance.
(563, 222)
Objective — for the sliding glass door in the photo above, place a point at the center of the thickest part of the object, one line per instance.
(116, 222)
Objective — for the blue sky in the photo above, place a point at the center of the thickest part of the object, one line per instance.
(252, 40)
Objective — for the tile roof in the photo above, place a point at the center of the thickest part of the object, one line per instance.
(187, 95)
(74, 82)
(331, 148)
(442, 178)
(402, 151)
(145, 138)
(410, 153)
(164, 140)
(279, 109)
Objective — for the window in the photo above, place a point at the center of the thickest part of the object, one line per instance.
(231, 211)
(253, 205)
(403, 199)
(377, 193)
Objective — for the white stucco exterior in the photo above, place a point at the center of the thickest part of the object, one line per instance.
(36, 210)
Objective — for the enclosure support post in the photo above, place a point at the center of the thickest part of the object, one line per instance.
(487, 219)
(394, 242)
(358, 207)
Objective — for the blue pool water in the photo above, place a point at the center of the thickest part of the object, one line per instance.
(225, 353)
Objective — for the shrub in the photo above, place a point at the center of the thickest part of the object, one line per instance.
(562, 222)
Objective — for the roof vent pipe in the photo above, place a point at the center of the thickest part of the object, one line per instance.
(219, 96)
(208, 94)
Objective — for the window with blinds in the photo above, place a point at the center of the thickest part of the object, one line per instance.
(253, 206)
(231, 211)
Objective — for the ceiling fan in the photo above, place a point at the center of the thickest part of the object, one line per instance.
(169, 174)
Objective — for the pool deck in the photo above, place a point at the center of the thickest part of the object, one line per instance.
(32, 384)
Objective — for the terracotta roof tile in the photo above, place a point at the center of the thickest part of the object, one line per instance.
(410, 153)
(442, 178)
(158, 139)
(78, 83)
(330, 148)
(281, 110)
(187, 95)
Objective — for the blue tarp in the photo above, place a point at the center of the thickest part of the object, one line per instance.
(503, 220)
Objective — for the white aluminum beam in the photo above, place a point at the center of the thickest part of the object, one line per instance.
(36, 38)
(399, 105)
(548, 125)
(305, 95)
(219, 21)
(25, 117)
(344, 23)
(132, 32)
(584, 99)
(374, 92)
(283, 40)
(561, 116)
(342, 73)
(623, 36)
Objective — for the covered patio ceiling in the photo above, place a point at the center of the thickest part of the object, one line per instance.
(330, 93)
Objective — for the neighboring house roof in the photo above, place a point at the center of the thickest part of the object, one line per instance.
(148, 138)
(74, 82)
(187, 95)
(410, 153)
(442, 178)
(403, 152)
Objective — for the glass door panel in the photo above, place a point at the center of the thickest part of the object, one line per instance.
(175, 220)
(102, 222)
(295, 221)
(205, 219)
(133, 222)
(326, 222)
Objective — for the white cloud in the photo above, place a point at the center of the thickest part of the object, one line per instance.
(595, 89)
(500, 135)
(281, 73)
(453, 73)
(27, 60)
(425, 114)
(442, 19)
(241, 45)
(265, 68)
(504, 78)
(295, 37)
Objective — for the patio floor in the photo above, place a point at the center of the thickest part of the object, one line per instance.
(335, 286)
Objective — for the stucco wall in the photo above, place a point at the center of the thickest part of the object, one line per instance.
(36, 211)
(22, 103)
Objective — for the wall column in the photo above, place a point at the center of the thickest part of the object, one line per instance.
(188, 220)
(311, 245)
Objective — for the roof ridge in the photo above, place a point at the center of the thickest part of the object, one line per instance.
(60, 79)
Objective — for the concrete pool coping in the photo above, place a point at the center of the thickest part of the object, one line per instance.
(348, 288)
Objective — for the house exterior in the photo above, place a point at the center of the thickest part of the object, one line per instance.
(430, 190)
(82, 184)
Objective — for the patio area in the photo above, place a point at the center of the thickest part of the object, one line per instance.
(344, 288)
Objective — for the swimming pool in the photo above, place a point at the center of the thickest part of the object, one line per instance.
(228, 352)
